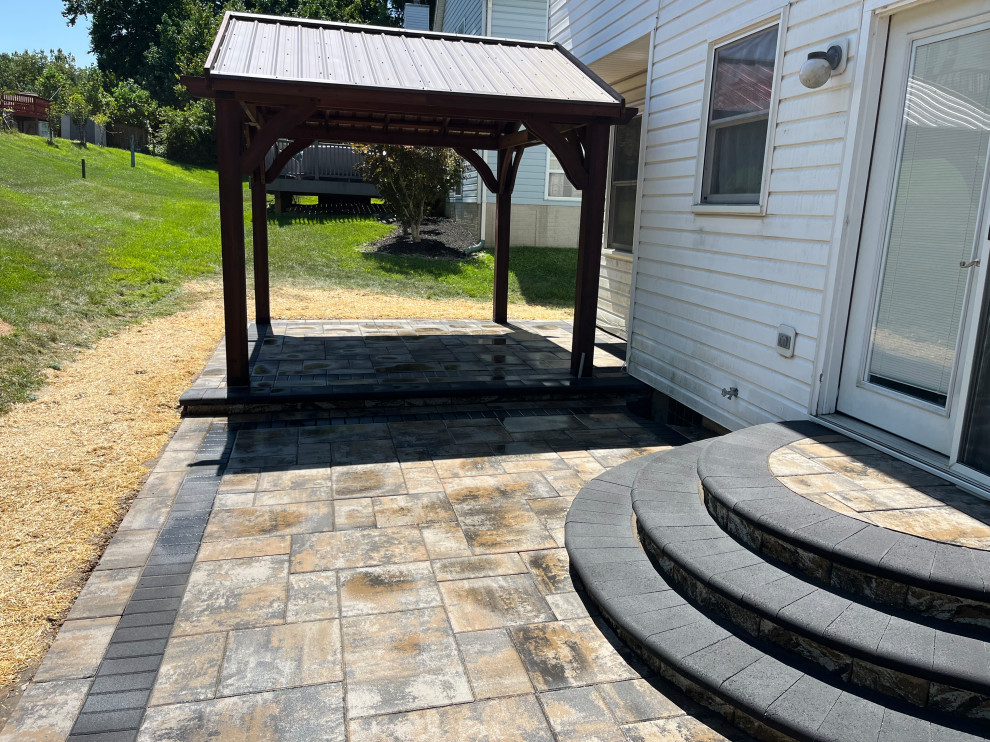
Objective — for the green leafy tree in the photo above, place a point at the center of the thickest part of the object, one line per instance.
(409, 179)
(79, 111)
(188, 134)
(132, 105)
(184, 40)
(19, 71)
(121, 32)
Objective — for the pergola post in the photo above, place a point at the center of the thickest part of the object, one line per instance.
(590, 250)
(232, 239)
(503, 215)
(259, 241)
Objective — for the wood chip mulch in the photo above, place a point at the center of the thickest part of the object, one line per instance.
(440, 238)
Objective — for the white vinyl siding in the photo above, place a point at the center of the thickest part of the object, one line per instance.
(614, 283)
(615, 279)
(711, 289)
(592, 29)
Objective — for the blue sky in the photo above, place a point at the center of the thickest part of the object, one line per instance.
(38, 24)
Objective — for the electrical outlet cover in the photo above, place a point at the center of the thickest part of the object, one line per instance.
(786, 336)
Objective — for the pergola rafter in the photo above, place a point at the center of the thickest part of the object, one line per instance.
(466, 93)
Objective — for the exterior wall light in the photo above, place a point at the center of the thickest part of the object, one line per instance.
(822, 65)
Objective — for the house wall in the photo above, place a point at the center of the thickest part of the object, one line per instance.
(536, 220)
(416, 17)
(519, 19)
(615, 279)
(710, 289)
(592, 29)
(464, 17)
(537, 225)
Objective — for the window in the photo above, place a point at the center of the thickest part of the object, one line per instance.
(558, 186)
(738, 119)
(622, 188)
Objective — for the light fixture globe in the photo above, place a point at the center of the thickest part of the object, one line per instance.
(818, 69)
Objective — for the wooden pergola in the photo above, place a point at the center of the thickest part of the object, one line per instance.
(288, 78)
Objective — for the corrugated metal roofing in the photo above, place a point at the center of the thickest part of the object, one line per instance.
(303, 51)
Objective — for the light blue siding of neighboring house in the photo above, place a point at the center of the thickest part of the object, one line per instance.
(535, 218)
(519, 19)
(464, 17)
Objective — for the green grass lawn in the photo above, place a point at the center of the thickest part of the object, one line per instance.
(79, 258)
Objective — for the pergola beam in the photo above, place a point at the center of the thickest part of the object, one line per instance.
(275, 128)
(590, 235)
(567, 151)
(376, 135)
(411, 102)
(229, 121)
(508, 167)
(259, 246)
(479, 164)
(282, 158)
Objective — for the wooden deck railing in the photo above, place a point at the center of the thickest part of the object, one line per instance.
(25, 106)
(320, 161)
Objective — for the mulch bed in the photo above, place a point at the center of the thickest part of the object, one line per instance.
(440, 238)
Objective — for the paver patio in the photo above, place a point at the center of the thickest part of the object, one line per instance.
(390, 577)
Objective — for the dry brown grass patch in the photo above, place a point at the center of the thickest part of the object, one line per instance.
(74, 458)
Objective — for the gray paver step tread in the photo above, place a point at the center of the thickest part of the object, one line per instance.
(671, 520)
(647, 610)
(734, 472)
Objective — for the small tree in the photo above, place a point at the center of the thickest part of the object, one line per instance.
(79, 111)
(409, 179)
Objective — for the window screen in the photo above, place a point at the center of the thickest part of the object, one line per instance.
(622, 194)
(739, 111)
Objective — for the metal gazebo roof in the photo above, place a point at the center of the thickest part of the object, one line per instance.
(309, 81)
(371, 57)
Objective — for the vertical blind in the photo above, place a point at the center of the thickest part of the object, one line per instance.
(937, 205)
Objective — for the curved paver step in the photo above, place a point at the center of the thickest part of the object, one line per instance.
(935, 664)
(930, 578)
(768, 697)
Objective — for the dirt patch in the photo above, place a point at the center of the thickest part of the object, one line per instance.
(439, 238)
(74, 458)
(5, 328)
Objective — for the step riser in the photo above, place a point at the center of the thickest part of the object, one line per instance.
(848, 668)
(871, 587)
(399, 403)
(732, 628)
(737, 717)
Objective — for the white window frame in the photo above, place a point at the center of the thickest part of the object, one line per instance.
(546, 180)
(610, 244)
(778, 19)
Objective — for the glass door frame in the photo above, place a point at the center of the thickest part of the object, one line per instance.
(979, 306)
(957, 392)
(871, 49)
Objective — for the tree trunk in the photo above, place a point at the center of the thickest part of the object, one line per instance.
(417, 222)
